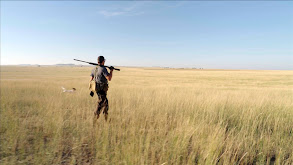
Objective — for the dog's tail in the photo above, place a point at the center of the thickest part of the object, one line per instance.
(63, 89)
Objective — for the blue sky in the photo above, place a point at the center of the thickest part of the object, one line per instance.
(211, 34)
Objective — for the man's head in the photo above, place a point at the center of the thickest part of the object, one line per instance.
(101, 60)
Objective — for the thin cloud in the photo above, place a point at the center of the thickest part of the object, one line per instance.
(111, 14)
(132, 10)
(135, 9)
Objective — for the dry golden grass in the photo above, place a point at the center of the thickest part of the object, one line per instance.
(157, 116)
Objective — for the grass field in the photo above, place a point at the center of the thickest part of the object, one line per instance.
(157, 116)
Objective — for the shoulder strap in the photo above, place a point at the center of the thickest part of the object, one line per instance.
(96, 71)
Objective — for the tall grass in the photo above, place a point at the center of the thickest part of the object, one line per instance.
(157, 116)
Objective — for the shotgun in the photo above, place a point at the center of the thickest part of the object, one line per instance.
(110, 67)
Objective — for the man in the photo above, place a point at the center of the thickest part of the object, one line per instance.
(101, 76)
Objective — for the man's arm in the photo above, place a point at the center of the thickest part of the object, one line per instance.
(110, 75)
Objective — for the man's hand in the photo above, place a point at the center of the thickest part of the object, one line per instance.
(111, 68)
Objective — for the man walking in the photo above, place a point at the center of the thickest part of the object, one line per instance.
(101, 77)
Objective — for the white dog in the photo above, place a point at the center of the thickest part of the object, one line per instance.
(72, 90)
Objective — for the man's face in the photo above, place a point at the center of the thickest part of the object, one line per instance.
(103, 63)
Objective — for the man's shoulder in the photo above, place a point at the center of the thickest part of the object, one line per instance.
(103, 68)
(105, 71)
